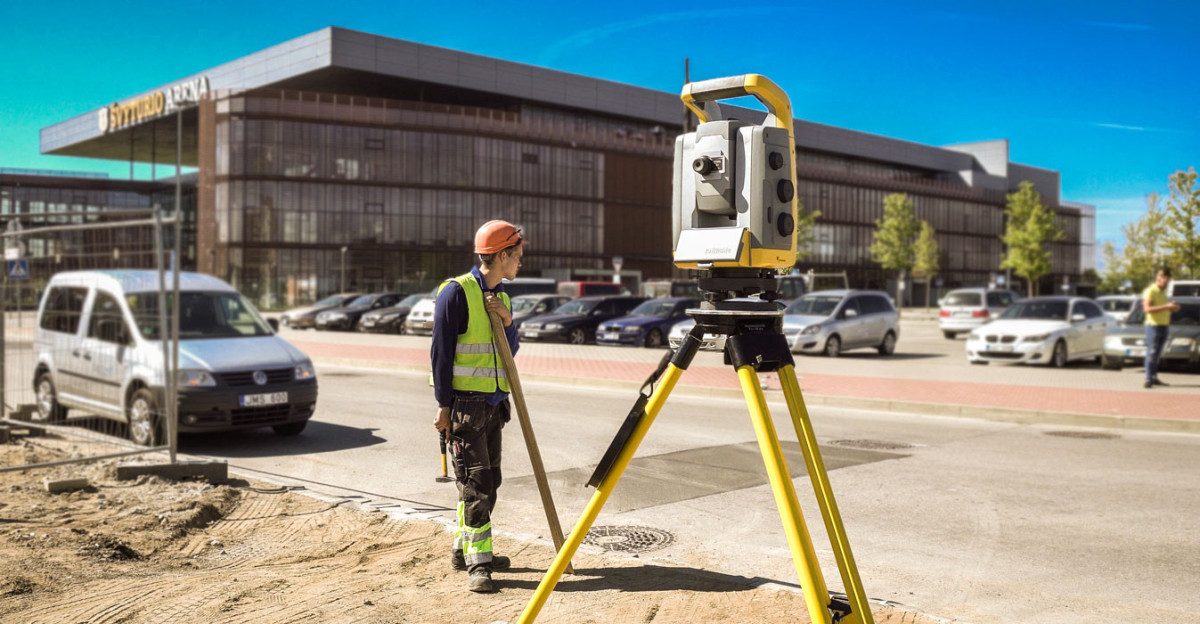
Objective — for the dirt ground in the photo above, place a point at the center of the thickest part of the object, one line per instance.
(161, 551)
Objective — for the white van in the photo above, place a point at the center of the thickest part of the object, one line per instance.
(99, 352)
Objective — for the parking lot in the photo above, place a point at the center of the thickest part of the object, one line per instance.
(926, 368)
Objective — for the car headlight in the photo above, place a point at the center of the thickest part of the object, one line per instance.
(196, 379)
(811, 330)
(632, 330)
(554, 326)
(305, 371)
(1183, 342)
(1037, 338)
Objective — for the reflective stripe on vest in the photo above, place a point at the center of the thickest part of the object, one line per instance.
(477, 365)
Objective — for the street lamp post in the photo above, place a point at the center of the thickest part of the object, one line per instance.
(343, 281)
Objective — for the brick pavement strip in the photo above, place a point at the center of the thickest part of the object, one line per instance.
(1142, 410)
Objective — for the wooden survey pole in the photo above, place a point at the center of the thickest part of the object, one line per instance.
(535, 456)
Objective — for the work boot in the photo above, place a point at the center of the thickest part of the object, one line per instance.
(1159, 382)
(458, 562)
(480, 581)
(1148, 384)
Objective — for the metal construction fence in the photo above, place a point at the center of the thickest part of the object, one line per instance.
(82, 306)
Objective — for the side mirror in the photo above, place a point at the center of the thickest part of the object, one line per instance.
(1078, 318)
(851, 313)
(274, 323)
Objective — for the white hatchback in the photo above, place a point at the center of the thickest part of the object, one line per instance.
(1042, 330)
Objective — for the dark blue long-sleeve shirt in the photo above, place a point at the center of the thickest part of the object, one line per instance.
(450, 317)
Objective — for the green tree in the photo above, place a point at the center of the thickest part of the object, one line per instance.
(1030, 225)
(1182, 217)
(926, 264)
(893, 245)
(1145, 245)
(1113, 278)
(804, 230)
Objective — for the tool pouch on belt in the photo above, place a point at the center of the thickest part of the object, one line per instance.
(469, 413)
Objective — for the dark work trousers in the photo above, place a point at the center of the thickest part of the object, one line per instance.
(475, 429)
(1156, 339)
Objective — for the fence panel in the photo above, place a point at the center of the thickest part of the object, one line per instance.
(81, 304)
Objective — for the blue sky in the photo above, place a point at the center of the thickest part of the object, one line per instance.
(1106, 92)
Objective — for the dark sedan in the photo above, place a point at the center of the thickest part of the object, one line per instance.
(576, 321)
(1126, 343)
(347, 318)
(390, 320)
(306, 317)
(648, 324)
(525, 307)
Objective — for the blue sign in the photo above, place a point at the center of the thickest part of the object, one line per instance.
(18, 269)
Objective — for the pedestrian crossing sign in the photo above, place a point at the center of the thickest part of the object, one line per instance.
(18, 269)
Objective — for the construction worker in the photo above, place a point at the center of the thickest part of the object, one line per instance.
(472, 389)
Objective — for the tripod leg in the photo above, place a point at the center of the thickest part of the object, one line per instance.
(657, 399)
(803, 555)
(856, 595)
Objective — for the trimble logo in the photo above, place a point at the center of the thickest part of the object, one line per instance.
(713, 251)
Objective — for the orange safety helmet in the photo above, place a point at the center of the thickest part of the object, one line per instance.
(496, 236)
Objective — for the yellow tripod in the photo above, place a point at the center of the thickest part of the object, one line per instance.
(755, 344)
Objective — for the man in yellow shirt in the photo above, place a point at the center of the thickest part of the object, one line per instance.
(1158, 321)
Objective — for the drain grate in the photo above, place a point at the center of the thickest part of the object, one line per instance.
(873, 445)
(630, 539)
(1085, 435)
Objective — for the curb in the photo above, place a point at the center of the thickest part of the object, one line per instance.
(977, 412)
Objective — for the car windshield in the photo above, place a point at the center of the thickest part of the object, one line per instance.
(578, 306)
(331, 301)
(654, 308)
(521, 304)
(1115, 305)
(1188, 315)
(365, 301)
(1037, 310)
(963, 299)
(1186, 290)
(410, 301)
(814, 305)
(202, 315)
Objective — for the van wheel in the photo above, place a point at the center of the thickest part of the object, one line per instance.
(888, 346)
(833, 346)
(143, 418)
(577, 336)
(949, 335)
(290, 429)
(48, 409)
(653, 339)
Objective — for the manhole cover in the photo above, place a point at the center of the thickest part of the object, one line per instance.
(630, 539)
(1086, 435)
(873, 445)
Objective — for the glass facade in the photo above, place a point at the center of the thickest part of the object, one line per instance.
(297, 182)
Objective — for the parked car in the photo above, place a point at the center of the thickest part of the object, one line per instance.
(965, 309)
(1042, 330)
(347, 318)
(530, 286)
(525, 307)
(1183, 288)
(833, 321)
(420, 318)
(1127, 343)
(99, 351)
(792, 287)
(710, 342)
(648, 324)
(389, 320)
(670, 288)
(575, 290)
(1118, 306)
(576, 321)
(305, 317)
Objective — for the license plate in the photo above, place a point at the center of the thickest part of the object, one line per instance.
(368, 323)
(1000, 348)
(531, 334)
(962, 313)
(1135, 353)
(612, 336)
(259, 400)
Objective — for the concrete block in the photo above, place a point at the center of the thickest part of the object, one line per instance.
(215, 472)
(64, 485)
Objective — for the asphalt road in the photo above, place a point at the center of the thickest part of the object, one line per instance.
(965, 519)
